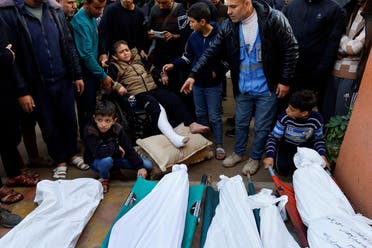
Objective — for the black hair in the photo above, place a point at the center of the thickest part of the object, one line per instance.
(118, 43)
(105, 108)
(304, 100)
(199, 11)
(91, 1)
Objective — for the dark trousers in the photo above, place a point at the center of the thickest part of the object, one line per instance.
(10, 136)
(173, 105)
(284, 164)
(55, 113)
(86, 103)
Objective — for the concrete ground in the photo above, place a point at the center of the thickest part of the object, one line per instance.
(102, 219)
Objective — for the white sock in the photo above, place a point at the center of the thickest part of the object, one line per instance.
(168, 131)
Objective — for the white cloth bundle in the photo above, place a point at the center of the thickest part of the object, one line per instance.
(65, 207)
(233, 224)
(317, 195)
(273, 231)
(323, 207)
(158, 220)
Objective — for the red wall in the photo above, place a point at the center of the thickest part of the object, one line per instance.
(354, 165)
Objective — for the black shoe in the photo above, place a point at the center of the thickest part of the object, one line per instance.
(230, 133)
(231, 121)
(7, 219)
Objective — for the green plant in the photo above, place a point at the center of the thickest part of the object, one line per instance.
(335, 132)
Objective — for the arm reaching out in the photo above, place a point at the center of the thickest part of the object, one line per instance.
(187, 86)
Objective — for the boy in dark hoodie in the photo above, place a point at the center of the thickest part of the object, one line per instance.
(107, 145)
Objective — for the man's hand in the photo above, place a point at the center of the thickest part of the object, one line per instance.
(282, 90)
(79, 85)
(187, 86)
(27, 103)
(103, 59)
(268, 162)
(9, 47)
(168, 67)
(164, 78)
(122, 91)
(107, 84)
(169, 36)
(121, 151)
(143, 54)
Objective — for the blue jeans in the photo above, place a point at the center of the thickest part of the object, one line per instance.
(265, 109)
(103, 165)
(208, 109)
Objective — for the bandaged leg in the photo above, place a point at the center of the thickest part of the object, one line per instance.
(164, 126)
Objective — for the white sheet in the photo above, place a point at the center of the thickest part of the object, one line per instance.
(158, 220)
(233, 224)
(65, 207)
(317, 195)
(331, 220)
(273, 231)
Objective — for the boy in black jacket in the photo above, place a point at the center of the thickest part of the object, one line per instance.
(107, 145)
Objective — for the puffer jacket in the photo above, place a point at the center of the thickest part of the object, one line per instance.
(133, 76)
(31, 79)
(279, 48)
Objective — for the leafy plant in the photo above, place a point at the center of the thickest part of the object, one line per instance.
(335, 132)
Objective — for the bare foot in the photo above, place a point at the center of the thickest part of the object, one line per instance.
(198, 128)
(185, 140)
(142, 173)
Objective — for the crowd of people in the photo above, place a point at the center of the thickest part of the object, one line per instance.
(57, 58)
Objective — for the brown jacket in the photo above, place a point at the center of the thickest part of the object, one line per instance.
(133, 75)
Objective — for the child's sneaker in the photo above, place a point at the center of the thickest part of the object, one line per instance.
(60, 172)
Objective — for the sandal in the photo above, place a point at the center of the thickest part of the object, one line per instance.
(30, 173)
(220, 153)
(105, 184)
(9, 196)
(22, 181)
(60, 172)
(78, 161)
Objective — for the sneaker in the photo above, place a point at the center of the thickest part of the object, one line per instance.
(230, 133)
(231, 160)
(7, 219)
(251, 167)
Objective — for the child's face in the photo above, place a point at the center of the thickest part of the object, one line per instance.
(123, 53)
(295, 112)
(104, 122)
(194, 24)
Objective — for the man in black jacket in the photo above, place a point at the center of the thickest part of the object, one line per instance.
(48, 64)
(261, 50)
(122, 20)
(318, 30)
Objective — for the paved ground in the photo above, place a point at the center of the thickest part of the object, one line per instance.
(106, 212)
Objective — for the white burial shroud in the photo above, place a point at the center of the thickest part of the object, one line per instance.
(323, 207)
(273, 231)
(158, 220)
(65, 207)
(233, 224)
